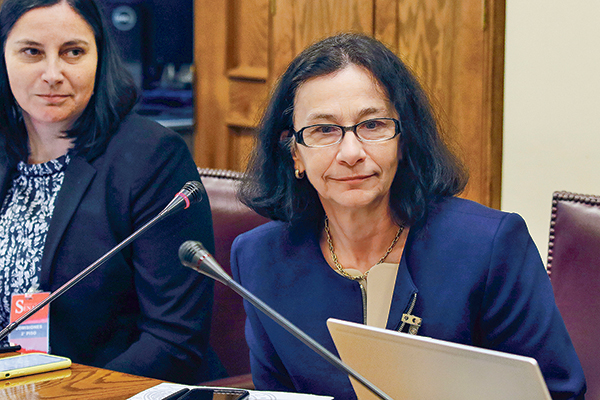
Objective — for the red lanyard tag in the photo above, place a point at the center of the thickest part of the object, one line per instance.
(33, 333)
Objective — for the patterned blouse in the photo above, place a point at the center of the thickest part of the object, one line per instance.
(24, 221)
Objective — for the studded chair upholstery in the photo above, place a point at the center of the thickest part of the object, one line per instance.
(574, 270)
(230, 218)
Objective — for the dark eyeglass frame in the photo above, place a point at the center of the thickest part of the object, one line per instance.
(300, 138)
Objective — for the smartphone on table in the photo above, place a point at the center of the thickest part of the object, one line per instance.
(205, 393)
(31, 363)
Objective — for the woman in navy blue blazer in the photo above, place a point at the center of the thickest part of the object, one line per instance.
(79, 173)
(350, 165)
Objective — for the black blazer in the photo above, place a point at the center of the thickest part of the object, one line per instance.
(142, 312)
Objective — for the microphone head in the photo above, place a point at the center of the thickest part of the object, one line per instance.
(193, 190)
(193, 255)
(191, 252)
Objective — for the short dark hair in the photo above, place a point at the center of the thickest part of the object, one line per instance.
(114, 96)
(427, 172)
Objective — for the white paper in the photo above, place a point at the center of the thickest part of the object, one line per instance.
(162, 390)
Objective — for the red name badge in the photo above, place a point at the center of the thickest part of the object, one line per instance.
(33, 333)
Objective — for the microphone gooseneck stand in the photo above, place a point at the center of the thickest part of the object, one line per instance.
(193, 255)
(189, 194)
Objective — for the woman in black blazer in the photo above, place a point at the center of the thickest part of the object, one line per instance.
(79, 173)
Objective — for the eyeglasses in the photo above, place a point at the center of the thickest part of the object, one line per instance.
(369, 131)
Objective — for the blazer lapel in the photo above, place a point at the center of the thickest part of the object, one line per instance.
(78, 176)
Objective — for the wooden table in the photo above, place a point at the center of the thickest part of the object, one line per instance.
(79, 382)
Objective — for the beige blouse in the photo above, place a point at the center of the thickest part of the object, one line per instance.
(379, 286)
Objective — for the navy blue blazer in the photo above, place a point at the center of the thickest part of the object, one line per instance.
(476, 274)
(142, 312)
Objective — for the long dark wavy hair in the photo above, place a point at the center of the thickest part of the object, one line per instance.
(427, 171)
(114, 96)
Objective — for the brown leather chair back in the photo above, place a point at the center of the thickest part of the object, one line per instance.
(230, 218)
(574, 269)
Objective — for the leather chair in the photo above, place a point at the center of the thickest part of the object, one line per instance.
(574, 270)
(230, 218)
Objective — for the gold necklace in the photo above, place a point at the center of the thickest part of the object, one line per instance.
(341, 269)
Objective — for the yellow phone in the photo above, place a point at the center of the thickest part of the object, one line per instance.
(31, 363)
(35, 378)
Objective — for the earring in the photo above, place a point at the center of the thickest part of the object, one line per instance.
(299, 175)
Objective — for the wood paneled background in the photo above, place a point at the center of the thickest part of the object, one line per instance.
(456, 47)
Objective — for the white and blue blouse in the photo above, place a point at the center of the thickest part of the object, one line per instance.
(24, 221)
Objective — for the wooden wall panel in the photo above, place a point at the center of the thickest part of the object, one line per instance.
(241, 143)
(317, 19)
(298, 23)
(447, 43)
(211, 99)
(246, 98)
(493, 92)
(248, 29)
(232, 59)
(283, 47)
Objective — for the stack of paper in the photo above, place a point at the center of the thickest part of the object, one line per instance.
(162, 390)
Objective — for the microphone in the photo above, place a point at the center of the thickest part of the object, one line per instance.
(192, 192)
(189, 194)
(193, 255)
